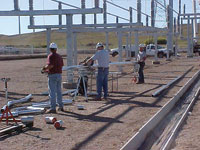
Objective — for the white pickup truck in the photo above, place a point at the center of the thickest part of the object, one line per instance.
(150, 51)
(162, 52)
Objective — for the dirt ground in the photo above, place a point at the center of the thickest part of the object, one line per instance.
(102, 125)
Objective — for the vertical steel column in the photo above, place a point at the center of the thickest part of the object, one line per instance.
(175, 29)
(156, 46)
(83, 7)
(184, 7)
(147, 20)
(181, 27)
(104, 12)
(60, 16)
(95, 15)
(152, 13)
(16, 5)
(48, 37)
(131, 14)
(136, 43)
(188, 37)
(192, 37)
(107, 40)
(139, 11)
(195, 20)
(119, 35)
(69, 43)
(170, 28)
(75, 49)
(19, 25)
(178, 19)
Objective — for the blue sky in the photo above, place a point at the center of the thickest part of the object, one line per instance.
(9, 25)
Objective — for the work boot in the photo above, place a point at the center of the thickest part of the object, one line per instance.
(51, 111)
(60, 109)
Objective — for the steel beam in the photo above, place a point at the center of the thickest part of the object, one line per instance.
(51, 12)
(85, 25)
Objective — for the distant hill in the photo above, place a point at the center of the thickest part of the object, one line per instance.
(84, 40)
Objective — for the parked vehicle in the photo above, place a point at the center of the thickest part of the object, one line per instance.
(115, 51)
(162, 52)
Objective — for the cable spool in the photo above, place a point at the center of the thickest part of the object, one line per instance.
(58, 124)
(51, 120)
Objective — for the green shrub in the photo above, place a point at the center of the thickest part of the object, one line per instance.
(162, 41)
(149, 41)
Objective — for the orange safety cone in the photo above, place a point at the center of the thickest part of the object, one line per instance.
(50, 120)
(58, 124)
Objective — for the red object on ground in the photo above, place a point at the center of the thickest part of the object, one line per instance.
(6, 111)
(58, 124)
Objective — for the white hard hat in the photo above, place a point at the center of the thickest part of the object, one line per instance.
(53, 46)
(99, 45)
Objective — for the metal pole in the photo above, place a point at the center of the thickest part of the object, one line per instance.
(69, 43)
(19, 25)
(16, 5)
(119, 35)
(195, 20)
(147, 21)
(152, 13)
(156, 47)
(139, 11)
(175, 29)
(104, 12)
(178, 19)
(136, 43)
(95, 15)
(107, 40)
(131, 14)
(170, 27)
(48, 37)
(75, 48)
(188, 37)
(60, 16)
(83, 7)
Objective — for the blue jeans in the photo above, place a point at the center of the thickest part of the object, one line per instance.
(55, 91)
(140, 72)
(102, 81)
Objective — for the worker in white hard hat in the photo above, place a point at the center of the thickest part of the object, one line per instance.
(54, 69)
(141, 57)
(102, 57)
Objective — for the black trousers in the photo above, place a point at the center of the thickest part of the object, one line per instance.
(140, 72)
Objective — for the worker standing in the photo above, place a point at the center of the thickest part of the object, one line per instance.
(102, 57)
(141, 57)
(54, 70)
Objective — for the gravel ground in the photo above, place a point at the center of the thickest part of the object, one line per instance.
(103, 125)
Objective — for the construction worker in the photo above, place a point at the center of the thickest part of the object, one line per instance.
(141, 61)
(54, 70)
(102, 57)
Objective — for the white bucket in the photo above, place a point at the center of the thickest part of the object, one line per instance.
(50, 120)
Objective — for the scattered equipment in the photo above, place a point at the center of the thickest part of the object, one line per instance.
(6, 111)
(58, 124)
(5, 80)
(50, 120)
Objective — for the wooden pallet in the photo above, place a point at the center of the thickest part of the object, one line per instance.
(15, 128)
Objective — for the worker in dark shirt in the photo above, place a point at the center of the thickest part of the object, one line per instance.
(54, 70)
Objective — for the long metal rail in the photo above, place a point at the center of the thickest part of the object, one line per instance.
(168, 112)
